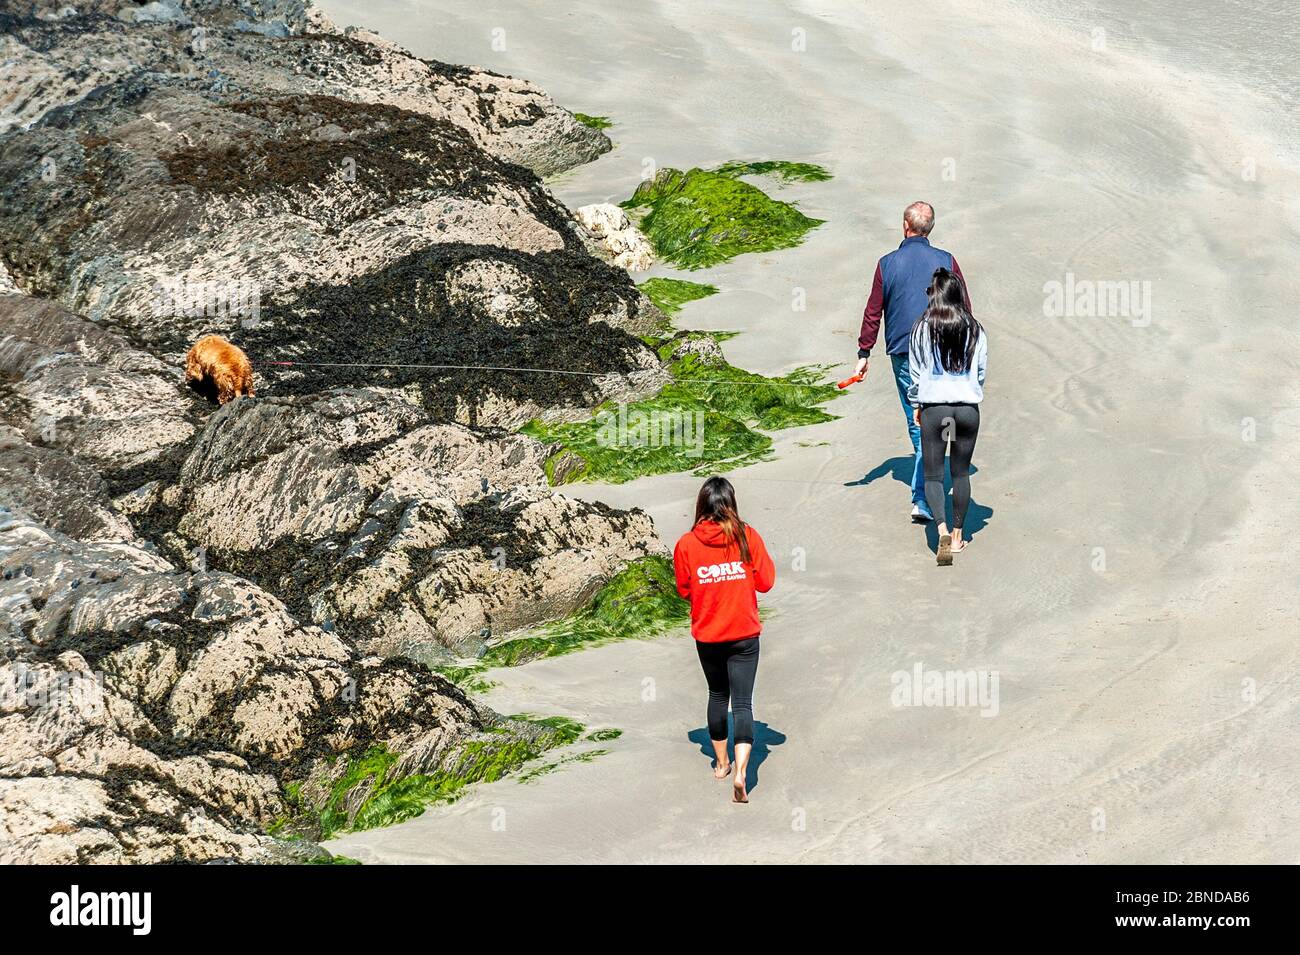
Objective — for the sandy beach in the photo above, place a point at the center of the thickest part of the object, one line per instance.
(1130, 581)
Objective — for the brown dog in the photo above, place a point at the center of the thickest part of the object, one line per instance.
(225, 366)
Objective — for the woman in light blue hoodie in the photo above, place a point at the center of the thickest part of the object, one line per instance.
(947, 357)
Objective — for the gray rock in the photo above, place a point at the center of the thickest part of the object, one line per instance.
(71, 385)
(67, 494)
(271, 28)
(200, 605)
(149, 714)
(53, 64)
(161, 11)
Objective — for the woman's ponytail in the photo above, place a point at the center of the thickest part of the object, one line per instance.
(734, 528)
(717, 503)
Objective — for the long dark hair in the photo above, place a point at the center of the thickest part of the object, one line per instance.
(951, 329)
(717, 503)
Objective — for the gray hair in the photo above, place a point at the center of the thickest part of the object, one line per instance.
(919, 217)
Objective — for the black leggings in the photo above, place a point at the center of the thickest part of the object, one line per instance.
(965, 420)
(730, 669)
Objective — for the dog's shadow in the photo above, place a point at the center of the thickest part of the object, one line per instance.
(205, 388)
(764, 739)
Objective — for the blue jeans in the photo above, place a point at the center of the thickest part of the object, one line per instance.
(903, 378)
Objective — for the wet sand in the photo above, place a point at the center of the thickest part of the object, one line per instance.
(1130, 579)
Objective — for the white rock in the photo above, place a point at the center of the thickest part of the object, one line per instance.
(615, 234)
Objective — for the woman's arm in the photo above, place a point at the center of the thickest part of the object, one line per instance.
(682, 572)
(916, 345)
(764, 569)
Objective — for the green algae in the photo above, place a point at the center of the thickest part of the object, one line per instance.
(566, 729)
(514, 747)
(595, 122)
(704, 421)
(469, 677)
(669, 295)
(546, 769)
(391, 797)
(639, 602)
(777, 168)
(702, 217)
(711, 416)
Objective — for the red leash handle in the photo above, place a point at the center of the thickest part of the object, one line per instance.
(852, 380)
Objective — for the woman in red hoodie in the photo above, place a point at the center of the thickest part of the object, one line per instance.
(722, 565)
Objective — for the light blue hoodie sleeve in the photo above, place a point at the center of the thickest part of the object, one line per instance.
(914, 373)
(982, 356)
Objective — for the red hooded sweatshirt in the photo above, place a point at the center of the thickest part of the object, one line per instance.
(722, 590)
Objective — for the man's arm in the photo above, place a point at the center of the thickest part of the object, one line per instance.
(956, 270)
(871, 318)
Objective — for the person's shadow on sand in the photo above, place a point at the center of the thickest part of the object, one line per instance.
(900, 469)
(764, 738)
(977, 515)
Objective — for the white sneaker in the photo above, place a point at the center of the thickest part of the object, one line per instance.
(919, 516)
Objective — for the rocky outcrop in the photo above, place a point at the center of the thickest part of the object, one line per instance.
(57, 53)
(365, 243)
(616, 238)
(150, 714)
(235, 594)
(76, 387)
(375, 521)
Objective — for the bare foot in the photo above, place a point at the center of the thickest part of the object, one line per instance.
(721, 770)
(959, 544)
(738, 793)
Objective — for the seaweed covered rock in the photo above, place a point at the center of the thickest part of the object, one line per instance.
(363, 243)
(85, 775)
(151, 714)
(75, 387)
(457, 576)
(237, 591)
(369, 519)
(703, 217)
(57, 53)
(57, 488)
(354, 504)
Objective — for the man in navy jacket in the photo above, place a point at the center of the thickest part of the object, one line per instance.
(898, 297)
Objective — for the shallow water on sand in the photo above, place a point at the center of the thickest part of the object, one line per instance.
(1252, 42)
